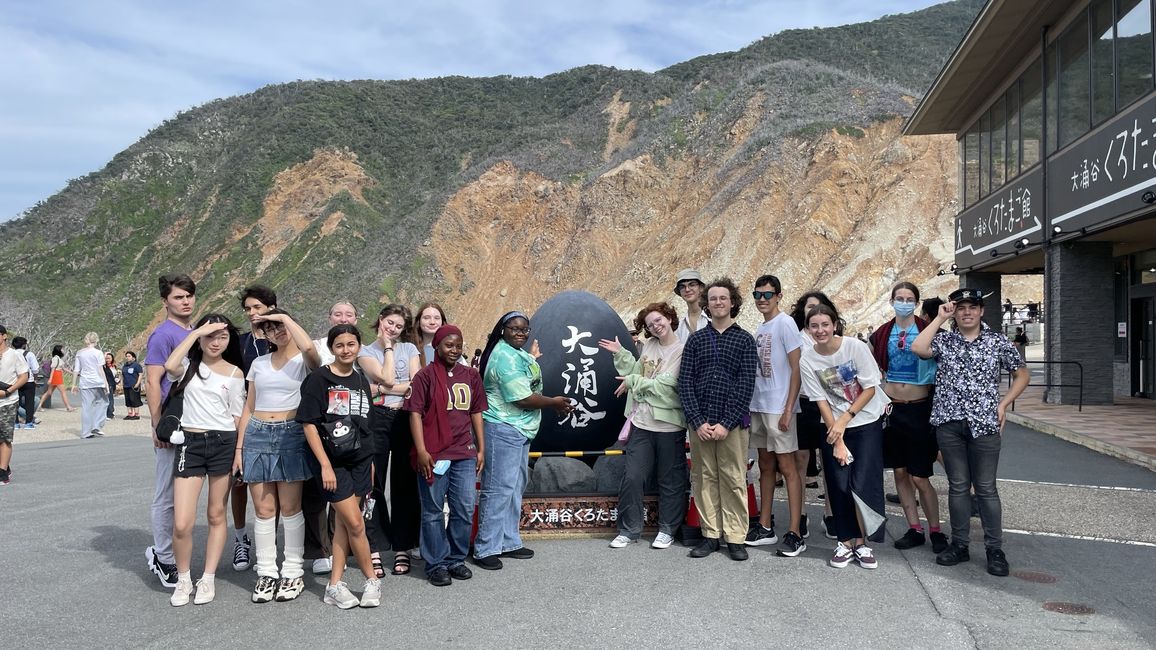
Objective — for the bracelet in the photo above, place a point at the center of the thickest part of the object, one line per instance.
(389, 349)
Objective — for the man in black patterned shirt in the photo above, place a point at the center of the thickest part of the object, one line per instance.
(969, 416)
(715, 384)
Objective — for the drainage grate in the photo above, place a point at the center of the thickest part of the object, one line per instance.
(1075, 609)
(1035, 576)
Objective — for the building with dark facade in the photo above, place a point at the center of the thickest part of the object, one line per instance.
(1053, 105)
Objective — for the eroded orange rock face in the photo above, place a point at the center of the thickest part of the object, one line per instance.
(848, 215)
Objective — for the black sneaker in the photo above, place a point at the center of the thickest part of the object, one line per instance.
(997, 562)
(891, 497)
(953, 555)
(5, 478)
(519, 553)
(490, 563)
(166, 573)
(792, 545)
(738, 552)
(938, 542)
(705, 548)
(803, 532)
(461, 572)
(828, 525)
(910, 539)
(759, 536)
(439, 577)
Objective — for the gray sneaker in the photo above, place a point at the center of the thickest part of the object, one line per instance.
(371, 596)
(340, 595)
(662, 540)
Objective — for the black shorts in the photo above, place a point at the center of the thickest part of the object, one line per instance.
(132, 398)
(205, 454)
(909, 439)
(352, 480)
(810, 427)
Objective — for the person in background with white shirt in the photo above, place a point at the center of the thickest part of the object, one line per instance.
(88, 377)
(13, 373)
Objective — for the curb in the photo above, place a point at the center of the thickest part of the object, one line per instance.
(1095, 444)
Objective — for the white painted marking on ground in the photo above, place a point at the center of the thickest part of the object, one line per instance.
(1086, 538)
(1077, 485)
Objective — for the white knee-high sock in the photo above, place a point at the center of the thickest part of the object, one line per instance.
(265, 543)
(293, 567)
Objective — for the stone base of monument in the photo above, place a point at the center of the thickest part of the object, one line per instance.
(579, 515)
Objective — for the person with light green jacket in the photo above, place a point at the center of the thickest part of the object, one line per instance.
(657, 426)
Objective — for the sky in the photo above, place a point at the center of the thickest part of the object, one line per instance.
(81, 80)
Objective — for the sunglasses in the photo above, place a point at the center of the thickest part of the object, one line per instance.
(902, 339)
(763, 295)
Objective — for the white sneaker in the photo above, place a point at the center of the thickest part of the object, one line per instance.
(323, 566)
(622, 541)
(663, 540)
(371, 597)
(206, 591)
(340, 595)
(181, 593)
(265, 588)
(289, 589)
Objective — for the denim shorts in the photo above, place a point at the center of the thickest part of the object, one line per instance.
(206, 453)
(275, 451)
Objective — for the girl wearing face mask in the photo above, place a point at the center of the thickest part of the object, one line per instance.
(657, 426)
(909, 445)
(214, 396)
(390, 364)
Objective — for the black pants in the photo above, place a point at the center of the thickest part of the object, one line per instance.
(111, 398)
(664, 454)
(27, 401)
(318, 521)
(398, 525)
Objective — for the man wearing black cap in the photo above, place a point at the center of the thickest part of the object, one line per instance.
(969, 415)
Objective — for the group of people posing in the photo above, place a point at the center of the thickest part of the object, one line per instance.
(303, 426)
(917, 392)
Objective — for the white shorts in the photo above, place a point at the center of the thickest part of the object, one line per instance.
(765, 433)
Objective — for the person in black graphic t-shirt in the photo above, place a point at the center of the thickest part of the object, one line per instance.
(338, 395)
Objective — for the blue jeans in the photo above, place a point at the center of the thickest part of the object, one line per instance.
(442, 546)
(971, 462)
(504, 478)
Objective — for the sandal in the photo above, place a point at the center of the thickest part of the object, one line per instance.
(378, 568)
(401, 563)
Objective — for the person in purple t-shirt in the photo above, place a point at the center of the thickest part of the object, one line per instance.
(178, 292)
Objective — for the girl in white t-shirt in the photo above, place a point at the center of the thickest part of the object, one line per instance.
(840, 375)
(271, 453)
(213, 391)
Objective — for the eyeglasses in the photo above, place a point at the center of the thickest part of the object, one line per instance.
(271, 326)
(681, 286)
(518, 330)
(653, 325)
(910, 301)
(763, 295)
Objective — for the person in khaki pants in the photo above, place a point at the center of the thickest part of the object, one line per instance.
(715, 383)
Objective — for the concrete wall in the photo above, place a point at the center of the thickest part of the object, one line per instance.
(1081, 325)
(1122, 379)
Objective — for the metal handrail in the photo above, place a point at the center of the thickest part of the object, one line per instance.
(1080, 385)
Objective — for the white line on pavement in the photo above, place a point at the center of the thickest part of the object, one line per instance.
(1077, 485)
(1086, 538)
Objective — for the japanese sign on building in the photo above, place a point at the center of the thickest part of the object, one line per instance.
(1106, 174)
(999, 220)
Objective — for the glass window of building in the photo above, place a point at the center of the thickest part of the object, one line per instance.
(985, 155)
(998, 142)
(1074, 104)
(1031, 114)
(1103, 84)
(1133, 50)
(1013, 130)
(971, 166)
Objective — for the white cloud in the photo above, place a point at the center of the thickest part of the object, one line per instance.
(81, 80)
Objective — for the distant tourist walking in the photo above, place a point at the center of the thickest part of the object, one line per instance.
(88, 377)
(133, 377)
(56, 379)
(14, 372)
(28, 390)
(968, 415)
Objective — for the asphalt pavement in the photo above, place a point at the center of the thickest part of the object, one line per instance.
(1081, 536)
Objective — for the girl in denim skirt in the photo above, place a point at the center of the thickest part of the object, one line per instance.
(271, 453)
